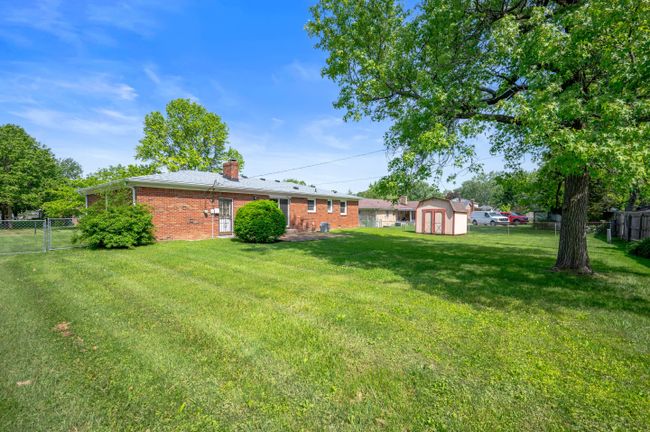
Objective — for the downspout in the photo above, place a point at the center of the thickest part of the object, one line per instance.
(133, 195)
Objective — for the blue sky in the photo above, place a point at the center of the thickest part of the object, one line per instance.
(81, 75)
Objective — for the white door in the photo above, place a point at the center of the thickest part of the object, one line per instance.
(225, 216)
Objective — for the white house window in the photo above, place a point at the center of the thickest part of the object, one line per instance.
(330, 206)
(344, 207)
(311, 206)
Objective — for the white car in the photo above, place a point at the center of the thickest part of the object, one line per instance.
(488, 218)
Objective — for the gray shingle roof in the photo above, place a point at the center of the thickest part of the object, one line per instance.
(205, 180)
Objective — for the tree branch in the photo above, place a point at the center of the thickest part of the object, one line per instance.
(490, 117)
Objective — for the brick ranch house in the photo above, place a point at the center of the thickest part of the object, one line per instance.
(195, 205)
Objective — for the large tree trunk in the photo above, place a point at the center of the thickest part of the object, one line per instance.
(572, 252)
(6, 212)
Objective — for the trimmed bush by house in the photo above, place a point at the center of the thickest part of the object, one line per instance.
(260, 222)
(124, 226)
(641, 248)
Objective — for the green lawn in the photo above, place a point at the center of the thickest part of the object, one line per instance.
(380, 330)
(21, 239)
(31, 239)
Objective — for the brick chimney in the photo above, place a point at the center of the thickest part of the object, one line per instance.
(402, 200)
(231, 170)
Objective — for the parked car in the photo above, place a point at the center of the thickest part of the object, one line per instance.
(515, 218)
(488, 218)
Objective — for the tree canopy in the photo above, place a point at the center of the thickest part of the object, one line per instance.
(483, 189)
(27, 168)
(69, 168)
(565, 81)
(417, 190)
(190, 137)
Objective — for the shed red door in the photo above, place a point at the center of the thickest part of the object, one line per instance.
(433, 221)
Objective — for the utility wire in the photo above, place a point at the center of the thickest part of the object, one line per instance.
(319, 164)
(349, 181)
(376, 177)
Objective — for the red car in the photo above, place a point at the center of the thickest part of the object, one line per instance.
(515, 219)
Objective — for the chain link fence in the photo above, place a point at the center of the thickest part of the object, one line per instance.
(60, 233)
(34, 236)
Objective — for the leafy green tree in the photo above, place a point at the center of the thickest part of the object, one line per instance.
(416, 191)
(483, 189)
(63, 200)
(118, 172)
(189, 138)
(70, 168)
(27, 168)
(563, 80)
(292, 180)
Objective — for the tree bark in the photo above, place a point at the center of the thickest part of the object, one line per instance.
(631, 201)
(572, 252)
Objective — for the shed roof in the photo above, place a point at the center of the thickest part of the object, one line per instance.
(457, 207)
(202, 180)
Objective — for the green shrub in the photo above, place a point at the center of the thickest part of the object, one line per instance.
(116, 227)
(641, 248)
(260, 222)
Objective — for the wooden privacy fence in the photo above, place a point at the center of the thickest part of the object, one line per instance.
(631, 225)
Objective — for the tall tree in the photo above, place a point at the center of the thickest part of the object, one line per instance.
(70, 168)
(27, 168)
(190, 137)
(563, 80)
(483, 189)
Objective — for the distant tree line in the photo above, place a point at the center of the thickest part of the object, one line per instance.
(523, 191)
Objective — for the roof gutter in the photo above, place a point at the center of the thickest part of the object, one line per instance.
(190, 186)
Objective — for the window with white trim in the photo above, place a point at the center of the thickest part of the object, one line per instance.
(330, 206)
(311, 206)
(344, 207)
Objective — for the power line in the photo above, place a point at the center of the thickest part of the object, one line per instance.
(319, 164)
(376, 177)
(349, 181)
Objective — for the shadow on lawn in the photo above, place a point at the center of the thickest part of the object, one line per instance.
(481, 275)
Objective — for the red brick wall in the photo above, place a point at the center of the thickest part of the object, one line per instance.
(179, 214)
(304, 221)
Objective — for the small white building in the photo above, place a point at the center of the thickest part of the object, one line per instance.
(441, 216)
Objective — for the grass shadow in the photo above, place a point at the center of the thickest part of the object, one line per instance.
(482, 275)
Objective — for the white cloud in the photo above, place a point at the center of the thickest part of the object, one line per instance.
(136, 16)
(335, 133)
(99, 85)
(303, 71)
(79, 23)
(43, 15)
(58, 86)
(168, 86)
(107, 122)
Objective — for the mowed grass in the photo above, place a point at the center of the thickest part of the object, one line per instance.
(32, 239)
(379, 330)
